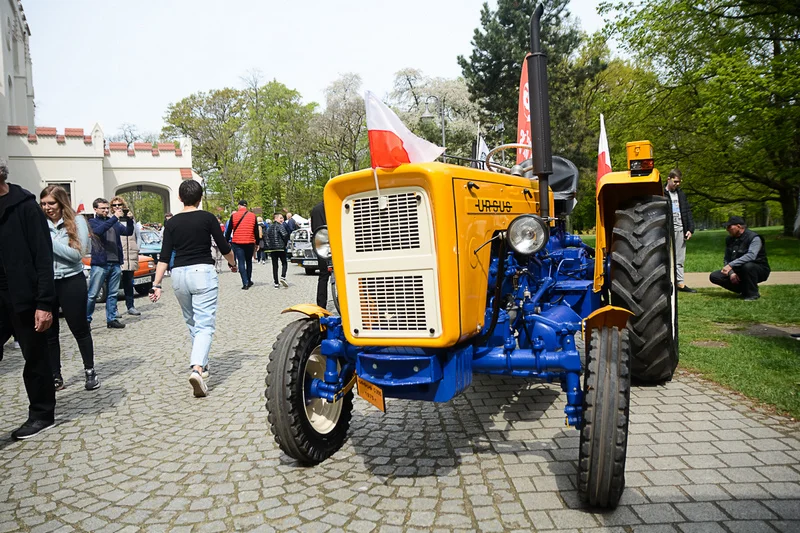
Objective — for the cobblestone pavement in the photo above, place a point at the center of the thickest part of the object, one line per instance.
(141, 454)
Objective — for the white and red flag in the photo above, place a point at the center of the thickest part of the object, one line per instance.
(391, 143)
(603, 155)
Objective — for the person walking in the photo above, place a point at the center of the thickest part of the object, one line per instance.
(682, 223)
(130, 253)
(318, 220)
(106, 259)
(70, 236)
(746, 262)
(27, 294)
(242, 233)
(277, 239)
(260, 254)
(194, 279)
(290, 222)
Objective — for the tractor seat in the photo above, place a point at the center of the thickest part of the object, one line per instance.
(563, 183)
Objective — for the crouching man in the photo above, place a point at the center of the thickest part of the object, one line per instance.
(745, 261)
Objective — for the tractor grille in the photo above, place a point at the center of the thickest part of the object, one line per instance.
(380, 230)
(392, 303)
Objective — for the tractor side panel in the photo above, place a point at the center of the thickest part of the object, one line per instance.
(480, 212)
(613, 191)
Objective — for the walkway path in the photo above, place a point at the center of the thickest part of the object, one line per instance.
(697, 280)
(141, 454)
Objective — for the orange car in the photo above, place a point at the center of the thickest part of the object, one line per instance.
(142, 278)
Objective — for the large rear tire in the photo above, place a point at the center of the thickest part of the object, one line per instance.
(307, 429)
(604, 435)
(643, 281)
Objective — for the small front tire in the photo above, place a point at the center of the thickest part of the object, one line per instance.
(309, 430)
(606, 404)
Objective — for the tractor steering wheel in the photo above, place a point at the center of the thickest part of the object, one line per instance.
(494, 167)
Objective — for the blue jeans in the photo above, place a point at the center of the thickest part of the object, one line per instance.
(196, 288)
(244, 261)
(97, 277)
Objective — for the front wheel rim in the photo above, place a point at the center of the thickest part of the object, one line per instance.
(320, 413)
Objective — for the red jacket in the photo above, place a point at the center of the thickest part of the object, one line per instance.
(246, 230)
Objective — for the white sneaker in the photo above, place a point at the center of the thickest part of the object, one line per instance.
(206, 372)
(16, 345)
(284, 283)
(199, 386)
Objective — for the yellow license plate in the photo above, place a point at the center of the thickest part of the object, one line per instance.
(372, 393)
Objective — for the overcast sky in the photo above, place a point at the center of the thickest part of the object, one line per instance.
(112, 62)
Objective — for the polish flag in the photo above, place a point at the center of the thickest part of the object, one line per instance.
(391, 143)
(603, 155)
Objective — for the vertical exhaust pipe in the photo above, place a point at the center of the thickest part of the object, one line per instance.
(540, 114)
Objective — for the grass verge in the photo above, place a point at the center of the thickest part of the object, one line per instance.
(716, 342)
(706, 249)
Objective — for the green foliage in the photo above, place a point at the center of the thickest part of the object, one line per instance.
(714, 341)
(147, 207)
(724, 105)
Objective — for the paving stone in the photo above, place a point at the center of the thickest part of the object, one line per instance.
(495, 459)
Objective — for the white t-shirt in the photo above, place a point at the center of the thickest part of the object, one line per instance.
(676, 210)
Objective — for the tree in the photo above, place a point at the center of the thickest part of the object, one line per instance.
(493, 70)
(214, 122)
(416, 95)
(129, 134)
(277, 140)
(341, 129)
(728, 91)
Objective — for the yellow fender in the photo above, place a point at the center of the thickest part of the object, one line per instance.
(605, 316)
(312, 310)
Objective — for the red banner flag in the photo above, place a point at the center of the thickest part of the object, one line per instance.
(524, 115)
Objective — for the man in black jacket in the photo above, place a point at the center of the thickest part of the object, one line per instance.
(318, 219)
(27, 293)
(746, 262)
(682, 223)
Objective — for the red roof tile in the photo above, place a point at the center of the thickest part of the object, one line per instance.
(73, 132)
(32, 138)
(142, 146)
(87, 139)
(106, 152)
(117, 146)
(186, 173)
(61, 139)
(17, 130)
(178, 152)
(166, 147)
(46, 131)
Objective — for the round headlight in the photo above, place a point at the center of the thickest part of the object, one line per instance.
(527, 234)
(321, 243)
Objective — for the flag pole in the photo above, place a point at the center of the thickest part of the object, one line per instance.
(382, 202)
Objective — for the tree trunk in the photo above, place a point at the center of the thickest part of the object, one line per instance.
(789, 201)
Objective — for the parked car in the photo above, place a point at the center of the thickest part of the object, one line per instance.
(151, 243)
(142, 278)
(300, 251)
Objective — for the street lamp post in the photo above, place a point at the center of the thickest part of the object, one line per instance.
(428, 116)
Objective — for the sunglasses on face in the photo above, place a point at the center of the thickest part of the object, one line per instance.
(117, 205)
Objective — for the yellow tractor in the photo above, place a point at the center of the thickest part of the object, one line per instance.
(450, 271)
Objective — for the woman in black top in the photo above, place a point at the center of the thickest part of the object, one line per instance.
(194, 278)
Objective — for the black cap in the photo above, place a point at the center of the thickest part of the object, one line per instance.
(735, 220)
(243, 202)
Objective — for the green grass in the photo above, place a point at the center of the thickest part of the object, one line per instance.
(766, 369)
(705, 250)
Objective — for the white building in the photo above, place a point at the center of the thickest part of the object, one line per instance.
(82, 162)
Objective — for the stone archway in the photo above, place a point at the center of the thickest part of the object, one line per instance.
(163, 192)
